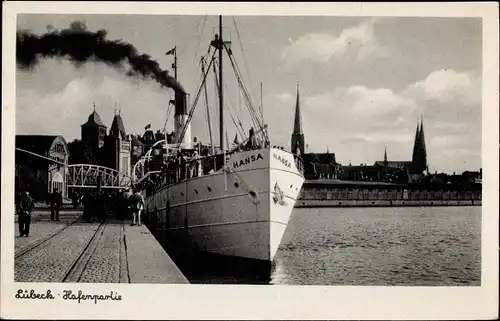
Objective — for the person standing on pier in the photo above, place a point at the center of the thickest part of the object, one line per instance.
(101, 206)
(24, 208)
(55, 205)
(87, 203)
(136, 201)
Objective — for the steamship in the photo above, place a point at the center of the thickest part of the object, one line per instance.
(233, 202)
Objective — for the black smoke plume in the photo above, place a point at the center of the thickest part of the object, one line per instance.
(79, 45)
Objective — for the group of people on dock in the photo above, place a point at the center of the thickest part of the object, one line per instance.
(98, 204)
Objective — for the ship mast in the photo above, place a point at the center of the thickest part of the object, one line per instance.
(221, 98)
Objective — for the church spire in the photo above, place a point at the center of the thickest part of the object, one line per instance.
(298, 142)
(423, 149)
(416, 142)
(419, 159)
(385, 154)
(297, 125)
(421, 136)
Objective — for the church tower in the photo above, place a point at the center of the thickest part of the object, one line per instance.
(415, 146)
(422, 154)
(297, 143)
(419, 158)
(120, 146)
(94, 132)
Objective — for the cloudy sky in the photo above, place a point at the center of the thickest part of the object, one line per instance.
(364, 81)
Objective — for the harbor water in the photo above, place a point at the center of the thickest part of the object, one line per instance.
(408, 246)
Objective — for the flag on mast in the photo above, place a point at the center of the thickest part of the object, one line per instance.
(171, 51)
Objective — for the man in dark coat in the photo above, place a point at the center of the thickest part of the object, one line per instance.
(102, 208)
(25, 206)
(55, 205)
(87, 204)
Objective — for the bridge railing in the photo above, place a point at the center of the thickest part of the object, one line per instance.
(86, 175)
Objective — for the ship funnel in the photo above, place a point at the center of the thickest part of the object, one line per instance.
(180, 102)
(181, 117)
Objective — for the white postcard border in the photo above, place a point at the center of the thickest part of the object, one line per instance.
(263, 302)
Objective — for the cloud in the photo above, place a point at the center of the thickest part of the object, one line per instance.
(358, 42)
(356, 121)
(61, 110)
(445, 141)
(446, 86)
(285, 97)
(385, 136)
(449, 127)
(360, 101)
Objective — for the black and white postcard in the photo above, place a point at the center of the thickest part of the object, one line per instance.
(249, 160)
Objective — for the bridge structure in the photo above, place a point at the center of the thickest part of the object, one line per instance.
(93, 176)
(88, 175)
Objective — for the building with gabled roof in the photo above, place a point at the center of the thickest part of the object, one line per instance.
(40, 175)
(94, 132)
(112, 150)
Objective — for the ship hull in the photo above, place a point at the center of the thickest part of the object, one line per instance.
(241, 212)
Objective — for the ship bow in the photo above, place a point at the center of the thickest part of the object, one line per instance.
(286, 181)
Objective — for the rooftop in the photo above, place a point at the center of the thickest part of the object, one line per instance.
(94, 120)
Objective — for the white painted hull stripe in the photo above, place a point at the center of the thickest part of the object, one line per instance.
(218, 198)
(225, 224)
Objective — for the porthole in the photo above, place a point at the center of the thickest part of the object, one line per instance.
(291, 186)
(182, 194)
(236, 185)
(209, 189)
(196, 191)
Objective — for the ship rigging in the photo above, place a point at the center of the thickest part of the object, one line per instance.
(234, 202)
(209, 62)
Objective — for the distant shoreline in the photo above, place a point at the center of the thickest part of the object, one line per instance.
(301, 203)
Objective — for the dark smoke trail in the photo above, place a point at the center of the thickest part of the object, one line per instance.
(80, 45)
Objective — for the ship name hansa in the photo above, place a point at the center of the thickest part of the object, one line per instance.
(248, 160)
(283, 160)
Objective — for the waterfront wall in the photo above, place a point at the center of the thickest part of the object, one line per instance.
(331, 196)
(384, 203)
